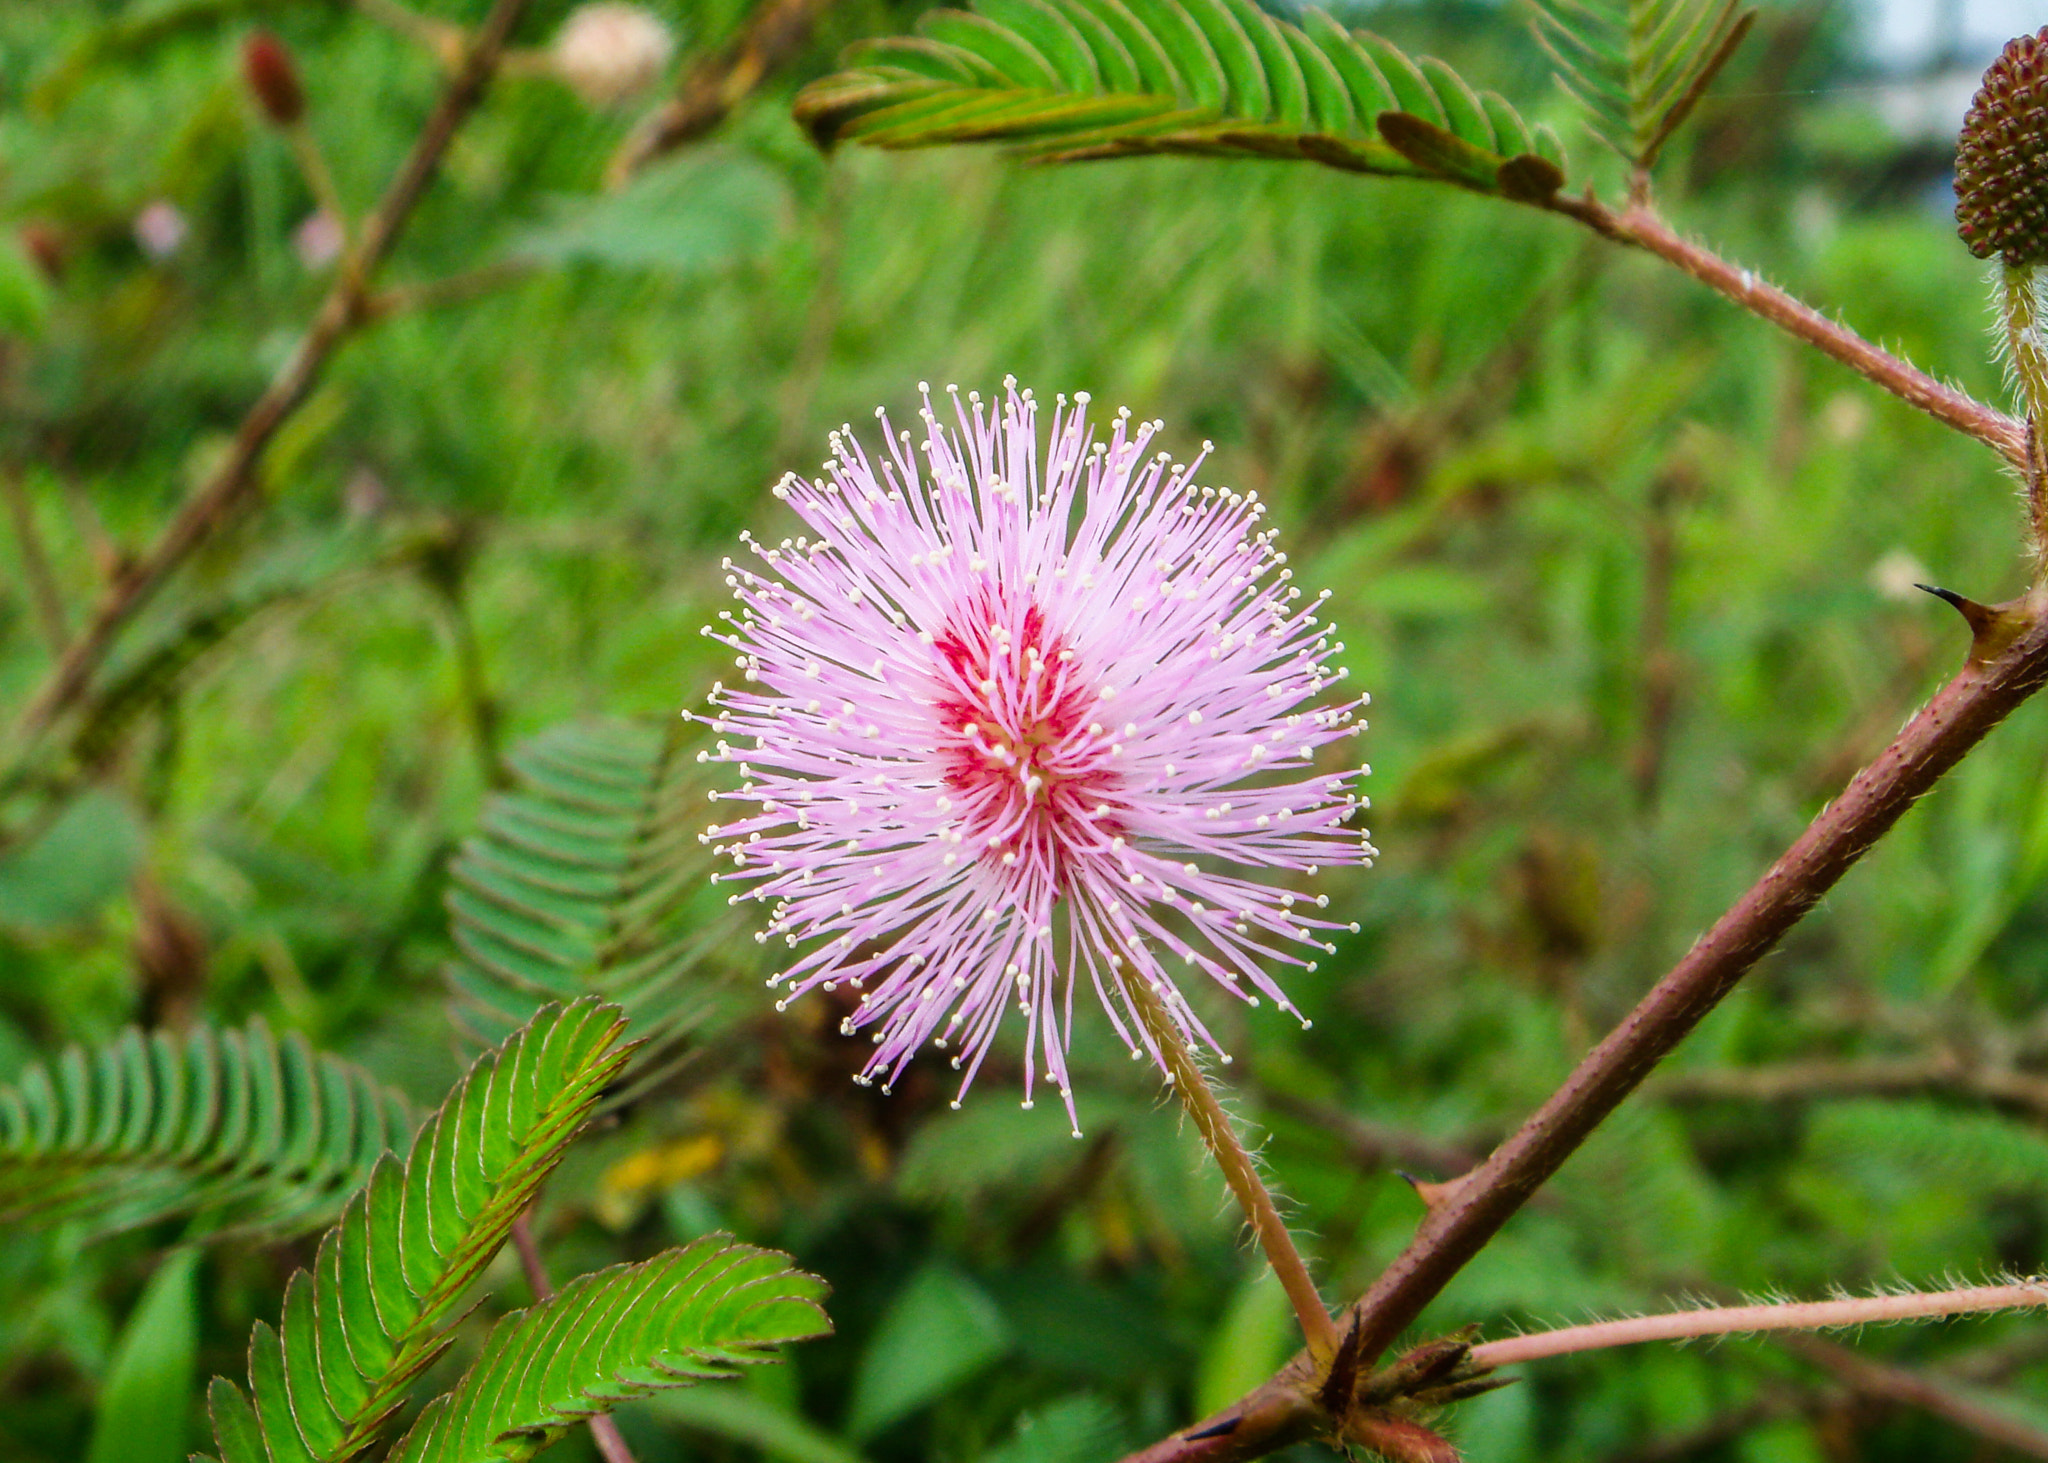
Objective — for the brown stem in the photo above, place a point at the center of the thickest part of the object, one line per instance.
(2003, 671)
(1875, 1077)
(447, 581)
(1641, 226)
(1815, 1315)
(234, 482)
(1915, 1389)
(603, 1431)
(449, 290)
(1657, 668)
(1214, 1124)
(775, 32)
(35, 564)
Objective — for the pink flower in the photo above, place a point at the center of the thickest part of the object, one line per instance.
(1007, 716)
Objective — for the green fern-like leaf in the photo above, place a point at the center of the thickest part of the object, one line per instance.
(686, 1316)
(375, 1310)
(234, 1128)
(579, 882)
(1639, 66)
(1075, 79)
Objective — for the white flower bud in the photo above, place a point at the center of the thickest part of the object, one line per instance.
(609, 52)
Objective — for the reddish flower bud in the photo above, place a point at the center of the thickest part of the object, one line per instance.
(2002, 157)
(45, 245)
(271, 75)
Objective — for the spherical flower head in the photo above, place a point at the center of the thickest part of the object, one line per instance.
(1016, 718)
(608, 52)
(2002, 157)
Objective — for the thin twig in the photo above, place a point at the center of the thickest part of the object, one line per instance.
(1641, 226)
(1217, 1131)
(1873, 1077)
(35, 564)
(1916, 1389)
(1997, 678)
(234, 482)
(448, 290)
(1815, 1315)
(1373, 1145)
(603, 1431)
(776, 32)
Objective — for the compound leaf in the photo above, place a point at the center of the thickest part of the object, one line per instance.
(240, 1131)
(1067, 80)
(376, 1308)
(686, 1316)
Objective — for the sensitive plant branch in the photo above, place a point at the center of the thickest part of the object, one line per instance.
(2005, 668)
(1641, 226)
(234, 483)
(1191, 1085)
(1821, 1315)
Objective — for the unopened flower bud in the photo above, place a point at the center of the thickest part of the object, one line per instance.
(609, 51)
(45, 245)
(2002, 157)
(268, 68)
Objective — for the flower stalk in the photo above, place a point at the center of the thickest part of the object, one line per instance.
(1191, 1085)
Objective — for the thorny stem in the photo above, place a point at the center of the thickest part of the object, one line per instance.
(1818, 1315)
(603, 1431)
(2004, 669)
(1214, 1124)
(234, 483)
(1640, 225)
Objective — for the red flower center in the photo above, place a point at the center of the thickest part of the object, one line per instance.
(1019, 749)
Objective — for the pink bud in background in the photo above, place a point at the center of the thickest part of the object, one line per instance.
(1004, 708)
(159, 229)
(610, 52)
(318, 240)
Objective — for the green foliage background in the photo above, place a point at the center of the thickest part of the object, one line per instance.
(1621, 568)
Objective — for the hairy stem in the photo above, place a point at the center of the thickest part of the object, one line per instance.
(1817, 1315)
(603, 1431)
(1214, 1124)
(234, 483)
(1641, 226)
(2026, 342)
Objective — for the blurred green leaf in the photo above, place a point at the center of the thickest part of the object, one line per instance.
(940, 1330)
(24, 293)
(145, 1403)
(1079, 1429)
(1255, 1335)
(80, 862)
(746, 1417)
(701, 213)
